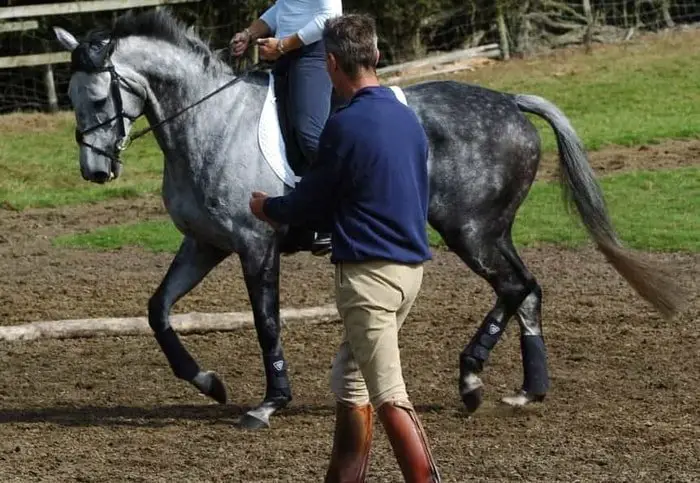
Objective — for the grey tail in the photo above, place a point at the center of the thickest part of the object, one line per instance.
(581, 190)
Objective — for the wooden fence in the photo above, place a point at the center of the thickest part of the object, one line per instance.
(13, 19)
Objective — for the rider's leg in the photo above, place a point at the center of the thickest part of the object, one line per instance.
(281, 73)
(309, 103)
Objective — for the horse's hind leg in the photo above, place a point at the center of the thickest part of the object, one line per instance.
(494, 258)
(533, 352)
(191, 264)
(261, 268)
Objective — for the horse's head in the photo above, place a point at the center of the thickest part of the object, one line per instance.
(106, 100)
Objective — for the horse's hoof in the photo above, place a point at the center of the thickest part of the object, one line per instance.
(522, 399)
(472, 391)
(259, 418)
(249, 421)
(472, 399)
(210, 385)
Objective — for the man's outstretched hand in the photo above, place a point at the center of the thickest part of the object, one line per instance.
(256, 203)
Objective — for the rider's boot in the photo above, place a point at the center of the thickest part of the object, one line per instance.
(409, 442)
(321, 245)
(351, 444)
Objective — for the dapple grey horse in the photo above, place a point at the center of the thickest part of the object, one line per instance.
(484, 154)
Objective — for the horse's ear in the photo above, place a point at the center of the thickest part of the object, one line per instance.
(66, 39)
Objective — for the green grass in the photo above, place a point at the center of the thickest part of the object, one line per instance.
(657, 211)
(153, 235)
(637, 93)
(625, 95)
(39, 165)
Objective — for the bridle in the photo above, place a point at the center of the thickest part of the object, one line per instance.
(121, 116)
(124, 139)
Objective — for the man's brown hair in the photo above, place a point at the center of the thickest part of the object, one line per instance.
(352, 39)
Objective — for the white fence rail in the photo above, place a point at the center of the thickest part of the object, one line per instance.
(68, 8)
(18, 26)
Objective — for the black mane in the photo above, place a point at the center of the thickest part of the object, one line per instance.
(98, 44)
(158, 24)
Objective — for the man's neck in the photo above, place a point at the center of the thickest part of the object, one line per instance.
(353, 86)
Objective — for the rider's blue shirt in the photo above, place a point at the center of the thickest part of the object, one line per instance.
(369, 185)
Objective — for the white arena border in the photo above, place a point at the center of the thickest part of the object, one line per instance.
(191, 323)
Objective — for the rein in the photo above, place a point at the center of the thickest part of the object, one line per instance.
(181, 111)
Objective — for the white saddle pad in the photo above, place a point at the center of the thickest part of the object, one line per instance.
(270, 135)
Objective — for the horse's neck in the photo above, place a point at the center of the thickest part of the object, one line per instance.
(176, 80)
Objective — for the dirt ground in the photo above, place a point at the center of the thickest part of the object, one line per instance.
(623, 404)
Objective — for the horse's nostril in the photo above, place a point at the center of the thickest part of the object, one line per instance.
(100, 176)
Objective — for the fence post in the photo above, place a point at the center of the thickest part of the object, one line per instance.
(522, 39)
(637, 13)
(666, 13)
(49, 82)
(588, 36)
(502, 32)
(51, 97)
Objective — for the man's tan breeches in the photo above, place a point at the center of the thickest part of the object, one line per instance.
(373, 300)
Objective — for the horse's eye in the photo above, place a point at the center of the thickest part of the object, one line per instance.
(99, 104)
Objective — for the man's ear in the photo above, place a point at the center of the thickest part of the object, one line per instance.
(332, 62)
(376, 58)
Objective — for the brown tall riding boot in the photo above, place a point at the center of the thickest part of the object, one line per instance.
(409, 441)
(351, 444)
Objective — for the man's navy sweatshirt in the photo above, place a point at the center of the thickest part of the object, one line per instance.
(369, 185)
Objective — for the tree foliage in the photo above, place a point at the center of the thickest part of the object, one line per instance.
(407, 28)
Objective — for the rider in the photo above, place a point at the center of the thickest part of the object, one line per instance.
(302, 85)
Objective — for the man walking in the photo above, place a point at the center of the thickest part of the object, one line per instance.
(370, 187)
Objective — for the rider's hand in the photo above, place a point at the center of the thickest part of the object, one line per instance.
(269, 49)
(239, 43)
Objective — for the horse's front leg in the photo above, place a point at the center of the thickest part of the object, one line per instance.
(261, 270)
(192, 263)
